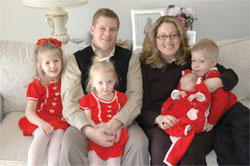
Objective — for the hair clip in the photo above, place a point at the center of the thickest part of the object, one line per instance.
(104, 59)
(45, 40)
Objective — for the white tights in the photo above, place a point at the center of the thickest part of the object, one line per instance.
(95, 160)
(39, 145)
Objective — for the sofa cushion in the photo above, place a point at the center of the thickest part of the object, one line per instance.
(211, 159)
(11, 145)
(235, 54)
(14, 146)
(16, 70)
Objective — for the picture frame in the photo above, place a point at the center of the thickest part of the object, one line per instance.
(192, 37)
(142, 19)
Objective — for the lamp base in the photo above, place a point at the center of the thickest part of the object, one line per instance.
(57, 19)
(63, 38)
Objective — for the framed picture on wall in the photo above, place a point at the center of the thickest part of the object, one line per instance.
(192, 37)
(142, 20)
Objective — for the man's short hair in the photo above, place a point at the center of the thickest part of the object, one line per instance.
(105, 12)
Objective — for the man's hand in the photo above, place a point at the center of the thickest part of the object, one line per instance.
(99, 136)
(112, 126)
(118, 135)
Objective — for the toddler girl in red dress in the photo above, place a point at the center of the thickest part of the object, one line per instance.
(43, 113)
(100, 105)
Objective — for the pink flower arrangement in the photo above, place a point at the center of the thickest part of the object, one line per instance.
(185, 15)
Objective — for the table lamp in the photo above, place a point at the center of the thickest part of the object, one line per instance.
(56, 17)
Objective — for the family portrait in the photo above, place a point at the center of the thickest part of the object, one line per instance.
(177, 95)
(142, 20)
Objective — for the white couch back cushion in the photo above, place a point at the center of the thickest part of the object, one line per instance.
(17, 70)
(235, 54)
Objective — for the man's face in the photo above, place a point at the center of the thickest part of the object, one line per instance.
(105, 33)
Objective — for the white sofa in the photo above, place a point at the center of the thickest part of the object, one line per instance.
(17, 70)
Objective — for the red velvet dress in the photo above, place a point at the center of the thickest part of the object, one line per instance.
(103, 111)
(49, 106)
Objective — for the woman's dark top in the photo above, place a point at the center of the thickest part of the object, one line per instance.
(158, 85)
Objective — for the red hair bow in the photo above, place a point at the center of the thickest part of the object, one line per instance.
(44, 40)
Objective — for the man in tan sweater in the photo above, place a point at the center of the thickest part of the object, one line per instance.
(104, 29)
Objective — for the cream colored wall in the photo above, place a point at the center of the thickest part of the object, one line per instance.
(217, 19)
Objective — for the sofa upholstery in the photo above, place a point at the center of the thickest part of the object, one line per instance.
(17, 70)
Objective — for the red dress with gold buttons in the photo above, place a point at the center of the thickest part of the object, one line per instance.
(103, 111)
(49, 105)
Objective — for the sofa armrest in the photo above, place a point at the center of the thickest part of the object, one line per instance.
(1, 108)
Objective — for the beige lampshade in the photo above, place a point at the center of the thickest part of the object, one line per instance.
(52, 3)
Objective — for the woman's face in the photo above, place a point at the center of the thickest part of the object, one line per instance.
(168, 41)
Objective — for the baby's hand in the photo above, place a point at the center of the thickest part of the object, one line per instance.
(179, 94)
(182, 94)
(195, 96)
(209, 127)
(191, 98)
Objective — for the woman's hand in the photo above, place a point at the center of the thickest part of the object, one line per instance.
(209, 127)
(166, 121)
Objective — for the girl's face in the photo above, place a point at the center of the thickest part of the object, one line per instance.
(50, 63)
(104, 83)
(168, 41)
(201, 64)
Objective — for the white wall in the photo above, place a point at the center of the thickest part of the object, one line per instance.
(217, 19)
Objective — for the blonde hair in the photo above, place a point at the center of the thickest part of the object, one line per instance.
(207, 47)
(100, 64)
(151, 54)
(46, 46)
(105, 12)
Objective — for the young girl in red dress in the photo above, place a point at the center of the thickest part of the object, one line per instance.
(100, 105)
(43, 113)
